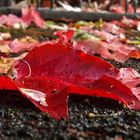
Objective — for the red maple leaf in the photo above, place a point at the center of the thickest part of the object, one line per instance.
(51, 72)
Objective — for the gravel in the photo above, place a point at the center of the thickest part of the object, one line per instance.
(108, 120)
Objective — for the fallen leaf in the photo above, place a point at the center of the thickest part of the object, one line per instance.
(60, 71)
(24, 44)
(134, 54)
(30, 15)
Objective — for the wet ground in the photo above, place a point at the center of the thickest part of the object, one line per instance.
(88, 120)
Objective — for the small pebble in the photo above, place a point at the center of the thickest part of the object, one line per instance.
(91, 115)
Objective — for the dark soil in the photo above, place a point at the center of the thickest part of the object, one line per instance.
(133, 63)
(36, 33)
(109, 120)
